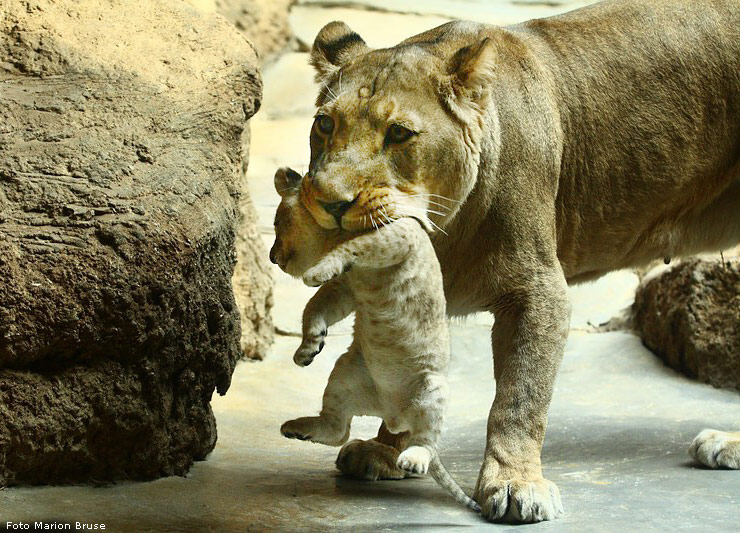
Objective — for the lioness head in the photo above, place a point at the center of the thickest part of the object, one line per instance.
(397, 131)
(299, 240)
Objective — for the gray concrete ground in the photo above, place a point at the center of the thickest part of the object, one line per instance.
(620, 422)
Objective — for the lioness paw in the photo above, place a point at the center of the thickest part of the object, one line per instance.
(518, 501)
(326, 270)
(716, 449)
(414, 460)
(369, 460)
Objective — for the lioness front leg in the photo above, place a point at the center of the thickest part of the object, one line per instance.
(717, 449)
(528, 337)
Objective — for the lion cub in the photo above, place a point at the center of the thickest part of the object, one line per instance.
(396, 366)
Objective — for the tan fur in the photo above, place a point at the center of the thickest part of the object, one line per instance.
(553, 152)
(396, 367)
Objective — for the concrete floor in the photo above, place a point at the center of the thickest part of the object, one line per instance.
(620, 422)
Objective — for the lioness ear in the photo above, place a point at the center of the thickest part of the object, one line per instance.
(472, 68)
(335, 46)
(287, 181)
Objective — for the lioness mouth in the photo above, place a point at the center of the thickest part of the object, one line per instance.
(337, 209)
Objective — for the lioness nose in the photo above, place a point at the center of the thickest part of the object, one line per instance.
(336, 209)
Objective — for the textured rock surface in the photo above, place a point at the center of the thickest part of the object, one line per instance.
(264, 22)
(252, 280)
(690, 316)
(121, 157)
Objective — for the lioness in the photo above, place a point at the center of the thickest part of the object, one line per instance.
(549, 153)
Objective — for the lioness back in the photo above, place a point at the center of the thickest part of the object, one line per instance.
(648, 95)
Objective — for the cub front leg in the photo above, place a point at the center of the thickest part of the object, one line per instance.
(331, 303)
(528, 341)
(328, 268)
(384, 247)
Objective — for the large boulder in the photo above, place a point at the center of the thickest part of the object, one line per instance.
(690, 317)
(121, 162)
(265, 24)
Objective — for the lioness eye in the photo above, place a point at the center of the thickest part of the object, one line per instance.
(325, 124)
(398, 134)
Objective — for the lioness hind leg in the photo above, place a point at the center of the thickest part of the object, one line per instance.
(375, 458)
(717, 226)
(717, 449)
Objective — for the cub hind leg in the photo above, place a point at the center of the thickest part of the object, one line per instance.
(717, 449)
(424, 416)
(349, 392)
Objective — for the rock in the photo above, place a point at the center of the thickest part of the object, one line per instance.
(121, 128)
(690, 317)
(263, 22)
(252, 282)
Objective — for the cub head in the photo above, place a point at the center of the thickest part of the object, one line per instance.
(299, 240)
(397, 131)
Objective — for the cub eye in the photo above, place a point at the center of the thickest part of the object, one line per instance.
(325, 124)
(398, 134)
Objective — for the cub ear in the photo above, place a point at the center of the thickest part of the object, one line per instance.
(287, 181)
(472, 69)
(335, 46)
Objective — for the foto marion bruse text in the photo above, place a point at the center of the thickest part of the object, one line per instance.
(53, 525)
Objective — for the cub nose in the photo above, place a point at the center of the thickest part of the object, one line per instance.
(336, 209)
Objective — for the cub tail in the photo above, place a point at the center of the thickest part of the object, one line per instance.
(444, 479)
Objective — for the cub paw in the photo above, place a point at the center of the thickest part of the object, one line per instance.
(309, 348)
(716, 449)
(518, 501)
(316, 429)
(414, 460)
(325, 271)
(300, 429)
(369, 460)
